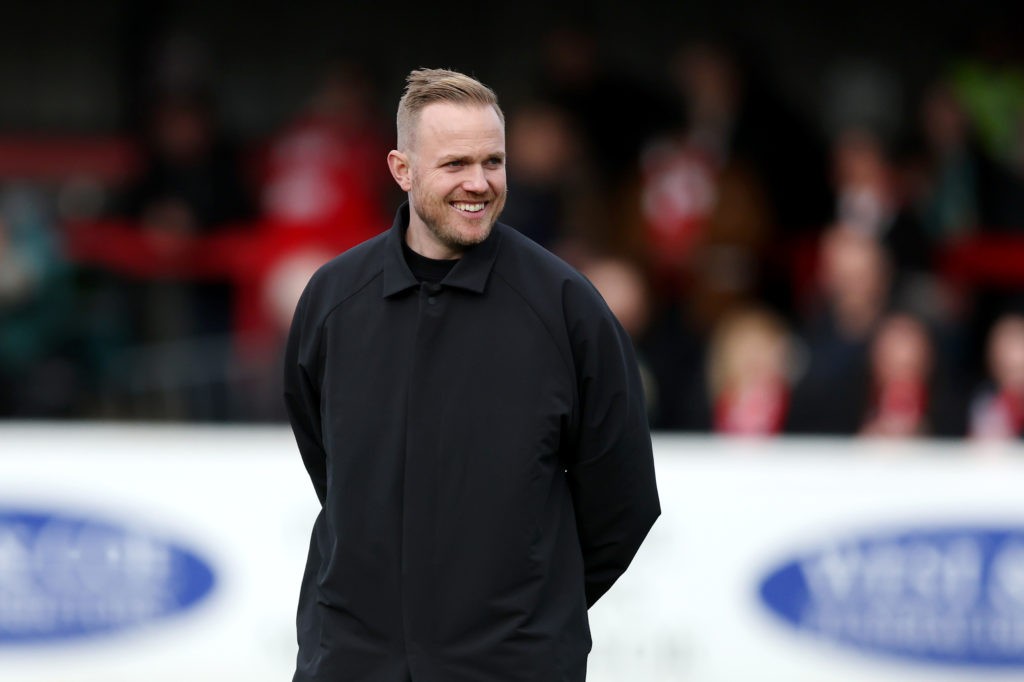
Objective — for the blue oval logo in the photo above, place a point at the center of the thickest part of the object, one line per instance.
(953, 596)
(63, 577)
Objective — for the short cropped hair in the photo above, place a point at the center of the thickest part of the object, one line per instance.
(428, 86)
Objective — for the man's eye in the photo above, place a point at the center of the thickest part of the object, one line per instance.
(495, 162)
(454, 164)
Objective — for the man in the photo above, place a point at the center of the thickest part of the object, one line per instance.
(471, 416)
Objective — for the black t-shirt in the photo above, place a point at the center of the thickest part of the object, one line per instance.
(427, 269)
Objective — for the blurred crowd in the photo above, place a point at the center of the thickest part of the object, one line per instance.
(849, 274)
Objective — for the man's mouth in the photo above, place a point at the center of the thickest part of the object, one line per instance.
(469, 207)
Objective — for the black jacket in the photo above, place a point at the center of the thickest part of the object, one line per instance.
(482, 456)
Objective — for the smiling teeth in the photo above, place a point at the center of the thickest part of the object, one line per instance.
(472, 208)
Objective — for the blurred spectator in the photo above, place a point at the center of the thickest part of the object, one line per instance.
(991, 87)
(901, 365)
(854, 281)
(728, 268)
(678, 193)
(869, 200)
(703, 221)
(192, 181)
(745, 175)
(907, 396)
(967, 190)
(749, 369)
(192, 185)
(323, 188)
(38, 375)
(707, 216)
(623, 288)
(548, 179)
(616, 113)
(965, 194)
(675, 350)
(733, 114)
(325, 171)
(997, 410)
(875, 196)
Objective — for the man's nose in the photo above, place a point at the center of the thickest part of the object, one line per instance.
(475, 180)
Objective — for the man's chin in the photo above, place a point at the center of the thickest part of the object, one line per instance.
(467, 241)
(455, 236)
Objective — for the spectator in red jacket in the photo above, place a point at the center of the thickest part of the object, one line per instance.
(998, 409)
(749, 373)
(901, 365)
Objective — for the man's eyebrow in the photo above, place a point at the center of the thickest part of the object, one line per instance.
(448, 158)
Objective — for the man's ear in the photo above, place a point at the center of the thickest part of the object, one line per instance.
(400, 169)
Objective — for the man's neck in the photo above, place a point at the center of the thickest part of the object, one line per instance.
(422, 241)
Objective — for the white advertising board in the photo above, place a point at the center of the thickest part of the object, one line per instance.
(168, 553)
(890, 552)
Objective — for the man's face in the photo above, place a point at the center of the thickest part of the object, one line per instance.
(456, 178)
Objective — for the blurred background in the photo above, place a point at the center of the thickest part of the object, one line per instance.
(809, 217)
(811, 220)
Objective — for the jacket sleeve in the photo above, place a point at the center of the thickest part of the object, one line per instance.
(611, 468)
(302, 391)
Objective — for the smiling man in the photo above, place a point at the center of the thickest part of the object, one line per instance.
(451, 161)
(471, 416)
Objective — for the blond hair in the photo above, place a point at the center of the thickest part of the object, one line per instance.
(428, 86)
(724, 351)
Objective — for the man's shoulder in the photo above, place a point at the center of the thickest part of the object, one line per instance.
(350, 267)
(539, 274)
(522, 258)
(349, 271)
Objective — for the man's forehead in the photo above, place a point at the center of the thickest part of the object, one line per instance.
(450, 120)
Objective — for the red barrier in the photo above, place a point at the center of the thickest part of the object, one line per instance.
(106, 159)
(984, 260)
(243, 255)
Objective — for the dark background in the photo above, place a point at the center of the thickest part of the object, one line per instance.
(84, 66)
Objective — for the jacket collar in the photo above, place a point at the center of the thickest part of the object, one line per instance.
(470, 273)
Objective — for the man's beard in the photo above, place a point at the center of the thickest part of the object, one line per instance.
(442, 220)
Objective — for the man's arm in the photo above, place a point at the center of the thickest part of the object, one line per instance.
(302, 395)
(611, 473)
